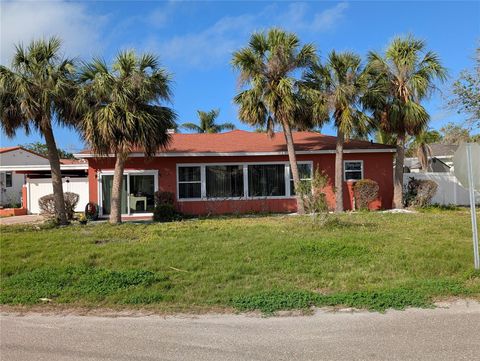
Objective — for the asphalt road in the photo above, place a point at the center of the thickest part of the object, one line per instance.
(441, 334)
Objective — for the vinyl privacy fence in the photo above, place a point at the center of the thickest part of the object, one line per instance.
(449, 189)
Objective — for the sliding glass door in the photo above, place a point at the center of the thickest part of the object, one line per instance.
(107, 183)
(138, 193)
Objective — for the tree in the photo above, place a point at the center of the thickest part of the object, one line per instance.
(401, 79)
(35, 93)
(455, 134)
(466, 93)
(339, 85)
(267, 68)
(207, 123)
(121, 109)
(41, 148)
(420, 146)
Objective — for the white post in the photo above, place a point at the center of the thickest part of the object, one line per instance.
(472, 207)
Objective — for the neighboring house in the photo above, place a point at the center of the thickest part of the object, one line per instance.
(25, 177)
(441, 160)
(412, 165)
(11, 182)
(236, 172)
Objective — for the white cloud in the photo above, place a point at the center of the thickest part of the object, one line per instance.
(328, 18)
(24, 21)
(216, 43)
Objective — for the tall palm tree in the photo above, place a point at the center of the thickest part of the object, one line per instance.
(34, 94)
(207, 123)
(339, 85)
(267, 69)
(121, 109)
(402, 78)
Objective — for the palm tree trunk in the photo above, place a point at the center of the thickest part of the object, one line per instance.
(293, 165)
(339, 172)
(56, 172)
(116, 199)
(398, 181)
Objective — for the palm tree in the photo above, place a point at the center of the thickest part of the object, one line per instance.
(121, 110)
(268, 66)
(34, 94)
(402, 78)
(420, 145)
(207, 123)
(339, 85)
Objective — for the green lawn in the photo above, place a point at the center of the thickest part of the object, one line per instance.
(369, 260)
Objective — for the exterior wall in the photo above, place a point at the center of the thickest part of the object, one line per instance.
(16, 157)
(377, 166)
(13, 194)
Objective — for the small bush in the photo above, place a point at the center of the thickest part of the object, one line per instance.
(164, 198)
(419, 192)
(166, 213)
(47, 205)
(365, 192)
(314, 198)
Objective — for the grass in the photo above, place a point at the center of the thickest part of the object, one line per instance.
(365, 260)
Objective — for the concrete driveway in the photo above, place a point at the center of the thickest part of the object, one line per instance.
(21, 219)
(434, 334)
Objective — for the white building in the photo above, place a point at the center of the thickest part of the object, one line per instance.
(21, 167)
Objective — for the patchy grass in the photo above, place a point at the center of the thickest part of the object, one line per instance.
(365, 260)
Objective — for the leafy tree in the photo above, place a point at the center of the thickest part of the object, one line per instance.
(121, 109)
(207, 123)
(466, 93)
(267, 69)
(401, 79)
(34, 94)
(41, 148)
(455, 134)
(339, 85)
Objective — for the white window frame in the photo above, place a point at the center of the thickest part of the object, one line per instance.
(202, 183)
(301, 179)
(127, 173)
(11, 179)
(245, 180)
(345, 171)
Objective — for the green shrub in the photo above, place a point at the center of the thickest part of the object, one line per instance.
(312, 192)
(164, 198)
(166, 213)
(365, 191)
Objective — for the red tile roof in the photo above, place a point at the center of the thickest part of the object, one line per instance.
(240, 141)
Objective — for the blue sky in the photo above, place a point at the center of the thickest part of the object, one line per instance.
(195, 40)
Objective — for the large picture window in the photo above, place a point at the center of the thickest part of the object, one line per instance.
(189, 182)
(353, 170)
(224, 181)
(231, 180)
(266, 180)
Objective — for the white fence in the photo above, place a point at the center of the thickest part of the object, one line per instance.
(449, 189)
(37, 188)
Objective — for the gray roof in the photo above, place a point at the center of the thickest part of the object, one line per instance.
(441, 150)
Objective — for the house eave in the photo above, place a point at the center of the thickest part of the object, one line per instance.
(237, 154)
